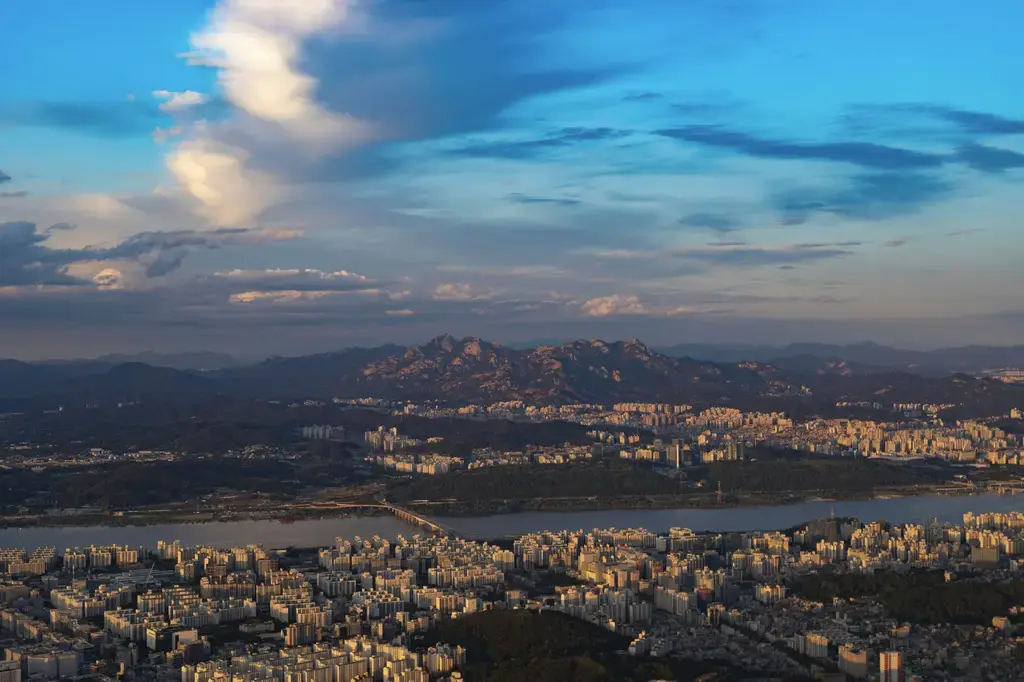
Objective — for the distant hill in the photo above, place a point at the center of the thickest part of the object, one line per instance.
(867, 356)
(460, 371)
(23, 383)
(197, 360)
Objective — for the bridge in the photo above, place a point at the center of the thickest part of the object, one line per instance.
(422, 521)
(400, 513)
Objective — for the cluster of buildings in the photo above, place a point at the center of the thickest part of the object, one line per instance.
(36, 458)
(322, 432)
(729, 596)
(357, 610)
(393, 452)
(346, 612)
(678, 453)
(563, 454)
(409, 463)
(684, 437)
(388, 440)
(960, 441)
(1011, 375)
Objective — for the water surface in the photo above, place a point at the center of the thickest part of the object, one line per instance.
(322, 532)
(896, 510)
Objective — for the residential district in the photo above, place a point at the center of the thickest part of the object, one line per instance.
(353, 611)
(683, 438)
(669, 434)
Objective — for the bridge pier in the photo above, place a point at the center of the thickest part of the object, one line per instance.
(421, 521)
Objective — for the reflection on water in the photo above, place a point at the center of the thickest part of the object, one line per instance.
(897, 510)
(322, 532)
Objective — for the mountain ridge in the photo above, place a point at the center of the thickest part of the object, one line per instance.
(473, 370)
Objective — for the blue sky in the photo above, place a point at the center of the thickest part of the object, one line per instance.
(278, 178)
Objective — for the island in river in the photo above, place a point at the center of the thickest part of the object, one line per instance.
(594, 485)
(616, 485)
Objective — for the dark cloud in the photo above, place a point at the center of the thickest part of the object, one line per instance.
(828, 298)
(989, 159)
(866, 154)
(704, 109)
(926, 121)
(964, 231)
(826, 245)
(18, 194)
(755, 256)
(463, 66)
(165, 262)
(151, 242)
(4, 177)
(526, 199)
(525, 149)
(869, 196)
(102, 119)
(164, 252)
(630, 198)
(896, 243)
(643, 96)
(25, 259)
(717, 222)
(975, 122)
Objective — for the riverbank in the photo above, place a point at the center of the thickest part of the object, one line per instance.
(702, 501)
(292, 513)
(323, 532)
(143, 517)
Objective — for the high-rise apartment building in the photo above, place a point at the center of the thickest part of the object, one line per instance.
(890, 666)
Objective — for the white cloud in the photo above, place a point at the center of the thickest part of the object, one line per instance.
(109, 278)
(256, 46)
(290, 274)
(179, 101)
(285, 296)
(620, 304)
(616, 304)
(618, 254)
(294, 284)
(453, 291)
(404, 312)
(680, 311)
(216, 175)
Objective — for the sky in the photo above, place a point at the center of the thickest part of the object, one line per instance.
(271, 177)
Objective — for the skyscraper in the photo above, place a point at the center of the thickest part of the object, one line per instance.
(890, 666)
(675, 453)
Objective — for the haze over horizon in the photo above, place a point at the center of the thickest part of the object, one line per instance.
(264, 177)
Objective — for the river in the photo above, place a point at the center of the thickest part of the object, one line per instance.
(322, 532)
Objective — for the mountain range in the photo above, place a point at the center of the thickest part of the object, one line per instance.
(465, 370)
(859, 357)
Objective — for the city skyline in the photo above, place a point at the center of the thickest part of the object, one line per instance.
(215, 175)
